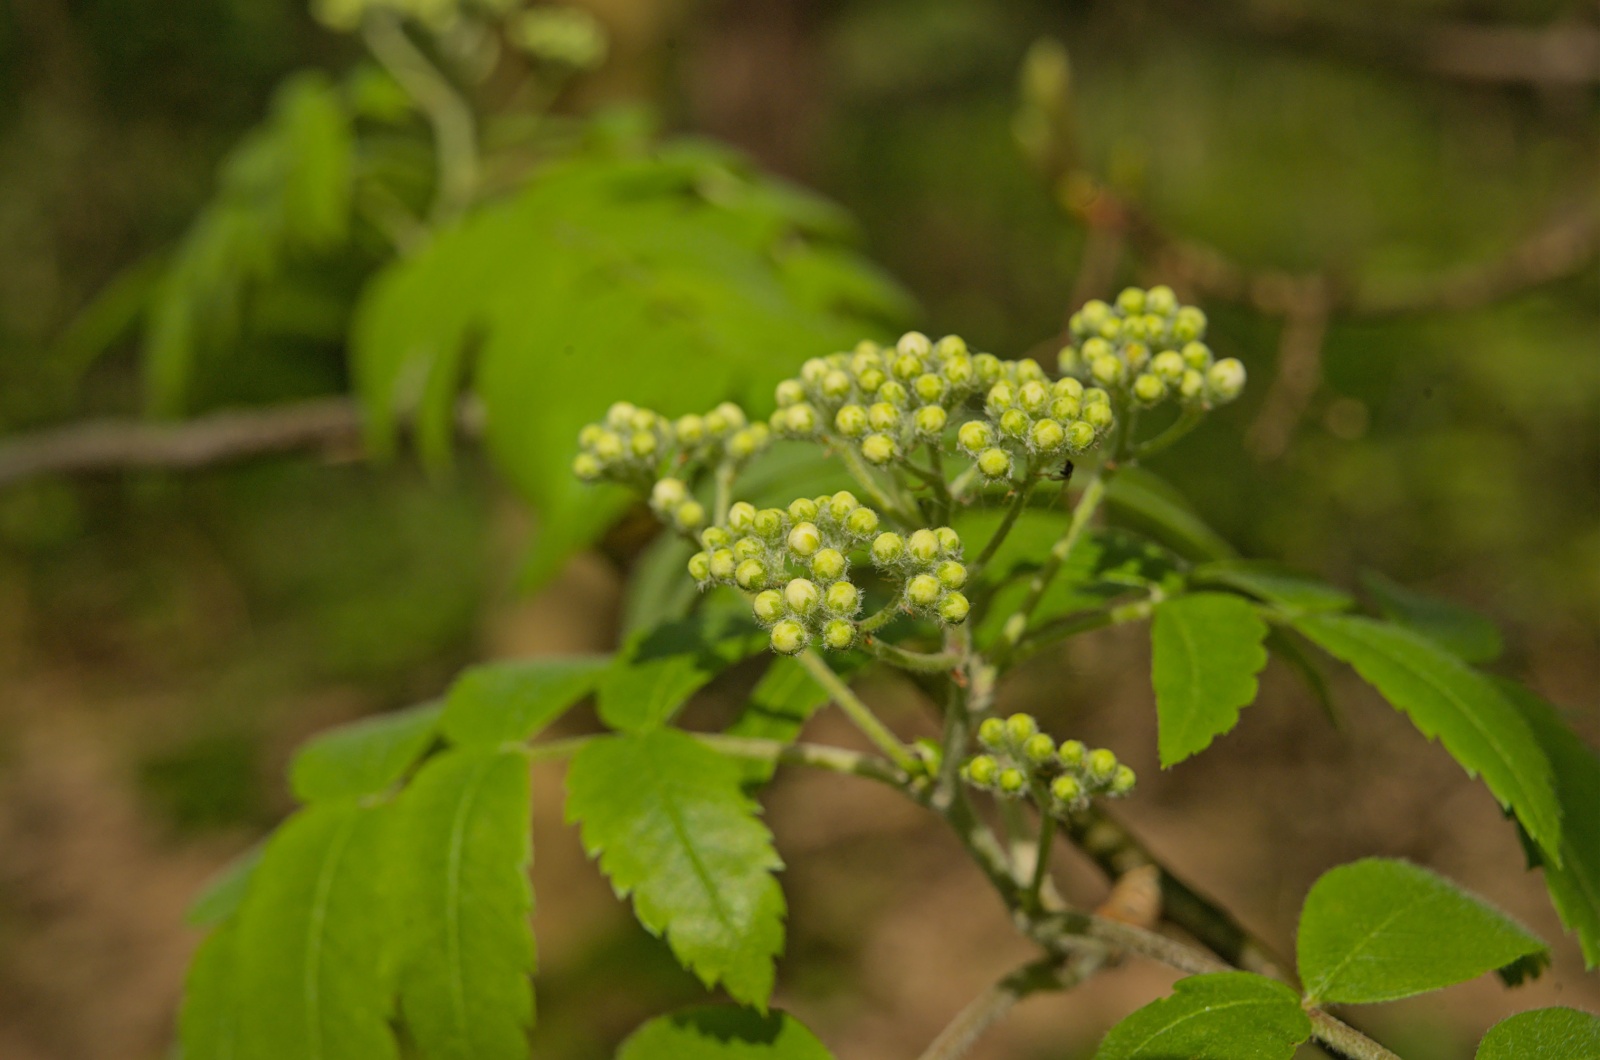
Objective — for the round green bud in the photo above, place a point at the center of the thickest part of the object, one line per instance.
(1068, 362)
(1157, 329)
(866, 356)
(836, 384)
(951, 575)
(987, 367)
(812, 371)
(959, 372)
(843, 598)
(748, 548)
(930, 420)
(1029, 370)
(1071, 753)
(1067, 388)
(1148, 389)
(690, 429)
(838, 634)
(689, 515)
(1131, 300)
(1094, 313)
(741, 517)
(620, 414)
(1002, 396)
(1225, 380)
(878, 449)
(1192, 387)
(805, 538)
(1137, 355)
(803, 510)
(1197, 355)
(929, 387)
(1107, 371)
(828, 564)
(894, 393)
(1080, 435)
(1019, 727)
(748, 442)
(768, 606)
(871, 380)
(643, 444)
(954, 608)
(802, 595)
(1101, 765)
(1099, 416)
(923, 590)
(841, 504)
(1134, 331)
(883, 416)
(992, 733)
(1169, 365)
(1111, 328)
(700, 566)
(1160, 300)
(951, 346)
(799, 419)
(751, 574)
(608, 446)
(975, 436)
(1038, 748)
(994, 463)
(982, 770)
(915, 343)
(587, 466)
(730, 417)
(1033, 395)
(1067, 790)
(888, 547)
(1065, 408)
(589, 435)
(1011, 781)
(1122, 781)
(906, 367)
(1096, 348)
(1047, 436)
(923, 546)
(1014, 423)
(949, 540)
(722, 563)
(789, 637)
(789, 392)
(861, 522)
(1095, 396)
(769, 523)
(713, 537)
(1189, 324)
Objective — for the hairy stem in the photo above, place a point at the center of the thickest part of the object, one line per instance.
(1345, 1039)
(1019, 502)
(1188, 421)
(1017, 624)
(916, 661)
(857, 711)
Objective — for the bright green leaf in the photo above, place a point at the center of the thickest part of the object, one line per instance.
(1544, 1034)
(513, 701)
(1464, 632)
(364, 757)
(463, 846)
(1226, 1016)
(659, 669)
(224, 892)
(208, 1022)
(1206, 649)
(1274, 583)
(1380, 929)
(723, 1032)
(315, 942)
(673, 828)
(1448, 700)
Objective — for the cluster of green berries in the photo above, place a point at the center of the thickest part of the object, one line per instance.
(1031, 419)
(644, 449)
(1149, 348)
(1019, 756)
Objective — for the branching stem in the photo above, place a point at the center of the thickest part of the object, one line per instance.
(857, 711)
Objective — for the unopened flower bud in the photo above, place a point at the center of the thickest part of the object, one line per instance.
(620, 414)
(789, 637)
(789, 392)
(1002, 396)
(1019, 727)
(843, 598)
(871, 380)
(608, 446)
(894, 393)
(836, 384)
(1067, 790)
(1131, 300)
(915, 343)
(1111, 328)
(923, 590)
(1148, 389)
(930, 420)
(994, 463)
(800, 419)
(1029, 370)
(747, 548)
(589, 435)
(861, 522)
(1107, 371)
(954, 608)
(1047, 436)
(1193, 385)
(1189, 324)
(949, 540)
(992, 733)
(1099, 416)
(883, 417)
(689, 515)
(748, 442)
(751, 574)
(878, 449)
(1011, 781)
(1032, 396)
(1122, 781)
(988, 368)
(690, 429)
(975, 436)
(866, 355)
(1071, 753)
(587, 466)
(841, 504)
(1068, 362)
(1169, 366)
(805, 538)
(741, 517)
(722, 564)
(768, 606)
(1197, 355)
(714, 537)
(906, 367)
(1038, 748)
(1065, 409)
(888, 547)
(1160, 300)
(959, 372)
(812, 371)
(1096, 348)
(1225, 380)
(828, 564)
(951, 574)
(982, 770)
(769, 523)
(802, 596)
(923, 546)
(1014, 423)
(838, 634)
(1080, 436)
(700, 566)
(1101, 765)
(951, 346)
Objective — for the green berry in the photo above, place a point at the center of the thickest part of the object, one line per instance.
(992, 733)
(954, 608)
(802, 596)
(843, 598)
(751, 574)
(768, 606)
(828, 564)
(951, 574)
(888, 547)
(862, 522)
(1047, 436)
(805, 538)
(1122, 781)
(1071, 753)
(689, 515)
(994, 463)
(587, 466)
(1225, 380)
(789, 637)
(878, 449)
(838, 634)
(930, 420)
(975, 436)
(1038, 748)
(923, 590)
(700, 566)
(1011, 781)
(982, 770)
(1101, 765)
(923, 546)
(722, 564)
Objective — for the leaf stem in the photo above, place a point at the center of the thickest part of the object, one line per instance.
(1041, 863)
(915, 661)
(817, 756)
(726, 472)
(857, 711)
(1188, 421)
(1051, 972)
(1019, 502)
(869, 482)
(1345, 1039)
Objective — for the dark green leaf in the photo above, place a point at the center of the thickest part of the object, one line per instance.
(1544, 1034)
(513, 701)
(722, 1032)
(658, 670)
(225, 891)
(1226, 1016)
(315, 942)
(1380, 929)
(779, 706)
(463, 846)
(673, 827)
(1274, 583)
(1448, 700)
(1205, 653)
(364, 757)
(1150, 502)
(1464, 632)
(208, 1022)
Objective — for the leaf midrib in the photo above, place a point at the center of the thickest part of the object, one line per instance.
(315, 923)
(1181, 1020)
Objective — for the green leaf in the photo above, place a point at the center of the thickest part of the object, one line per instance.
(315, 942)
(1574, 883)
(722, 1032)
(1459, 630)
(1226, 1016)
(224, 892)
(1149, 501)
(659, 669)
(1380, 929)
(510, 702)
(1296, 654)
(1273, 583)
(779, 706)
(364, 757)
(673, 828)
(1448, 700)
(1544, 1034)
(208, 1021)
(463, 846)
(1206, 649)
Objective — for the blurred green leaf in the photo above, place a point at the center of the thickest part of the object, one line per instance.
(505, 702)
(1469, 635)
(1544, 1034)
(1273, 583)
(364, 757)
(225, 891)
(1153, 504)
(778, 708)
(212, 1011)
(1225, 1016)
(723, 1032)
(1206, 650)
(659, 669)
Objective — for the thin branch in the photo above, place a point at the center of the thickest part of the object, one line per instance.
(1299, 372)
(1052, 972)
(857, 711)
(816, 756)
(1017, 624)
(915, 661)
(1345, 1039)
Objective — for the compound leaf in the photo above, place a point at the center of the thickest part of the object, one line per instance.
(364, 757)
(723, 1032)
(1381, 929)
(463, 846)
(1464, 632)
(1226, 1016)
(1448, 700)
(672, 827)
(513, 701)
(1544, 1034)
(1206, 649)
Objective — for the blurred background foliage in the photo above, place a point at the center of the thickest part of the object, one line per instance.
(194, 195)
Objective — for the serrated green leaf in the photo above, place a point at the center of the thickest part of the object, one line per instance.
(1574, 884)
(1206, 649)
(1382, 929)
(1273, 583)
(224, 892)
(509, 702)
(364, 757)
(208, 1021)
(673, 828)
(1448, 700)
(1458, 629)
(1544, 1034)
(463, 846)
(723, 1032)
(778, 708)
(659, 669)
(316, 943)
(1152, 503)
(1226, 1016)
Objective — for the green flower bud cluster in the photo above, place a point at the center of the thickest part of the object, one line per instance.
(1150, 349)
(1032, 418)
(881, 400)
(927, 563)
(1019, 756)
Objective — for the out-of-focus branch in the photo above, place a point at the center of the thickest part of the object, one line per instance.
(1299, 373)
(1052, 972)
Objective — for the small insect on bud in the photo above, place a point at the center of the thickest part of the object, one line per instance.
(768, 606)
(1225, 380)
(802, 596)
(1168, 366)
(1038, 748)
(1019, 727)
(1002, 396)
(888, 547)
(861, 522)
(769, 523)
(992, 733)
(1014, 423)
(923, 546)
(1107, 371)
(1160, 300)
(1071, 753)
(789, 392)
(751, 574)
(1080, 436)
(805, 539)
(1067, 790)
(828, 564)
(799, 420)
(914, 343)
(843, 598)
(1101, 765)
(741, 517)
(1011, 781)
(1032, 396)
(789, 637)
(951, 574)
(1047, 436)
(894, 393)
(994, 463)
(949, 540)
(700, 566)
(1197, 355)
(878, 449)
(923, 590)
(1131, 300)
(587, 466)
(954, 608)
(1122, 782)
(689, 515)
(929, 387)
(930, 420)
(982, 770)
(836, 384)
(838, 634)
(608, 446)
(974, 436)
(668, 493)
(1099, 416)
(1189, 324)
(1149, 388)
(722, 564)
